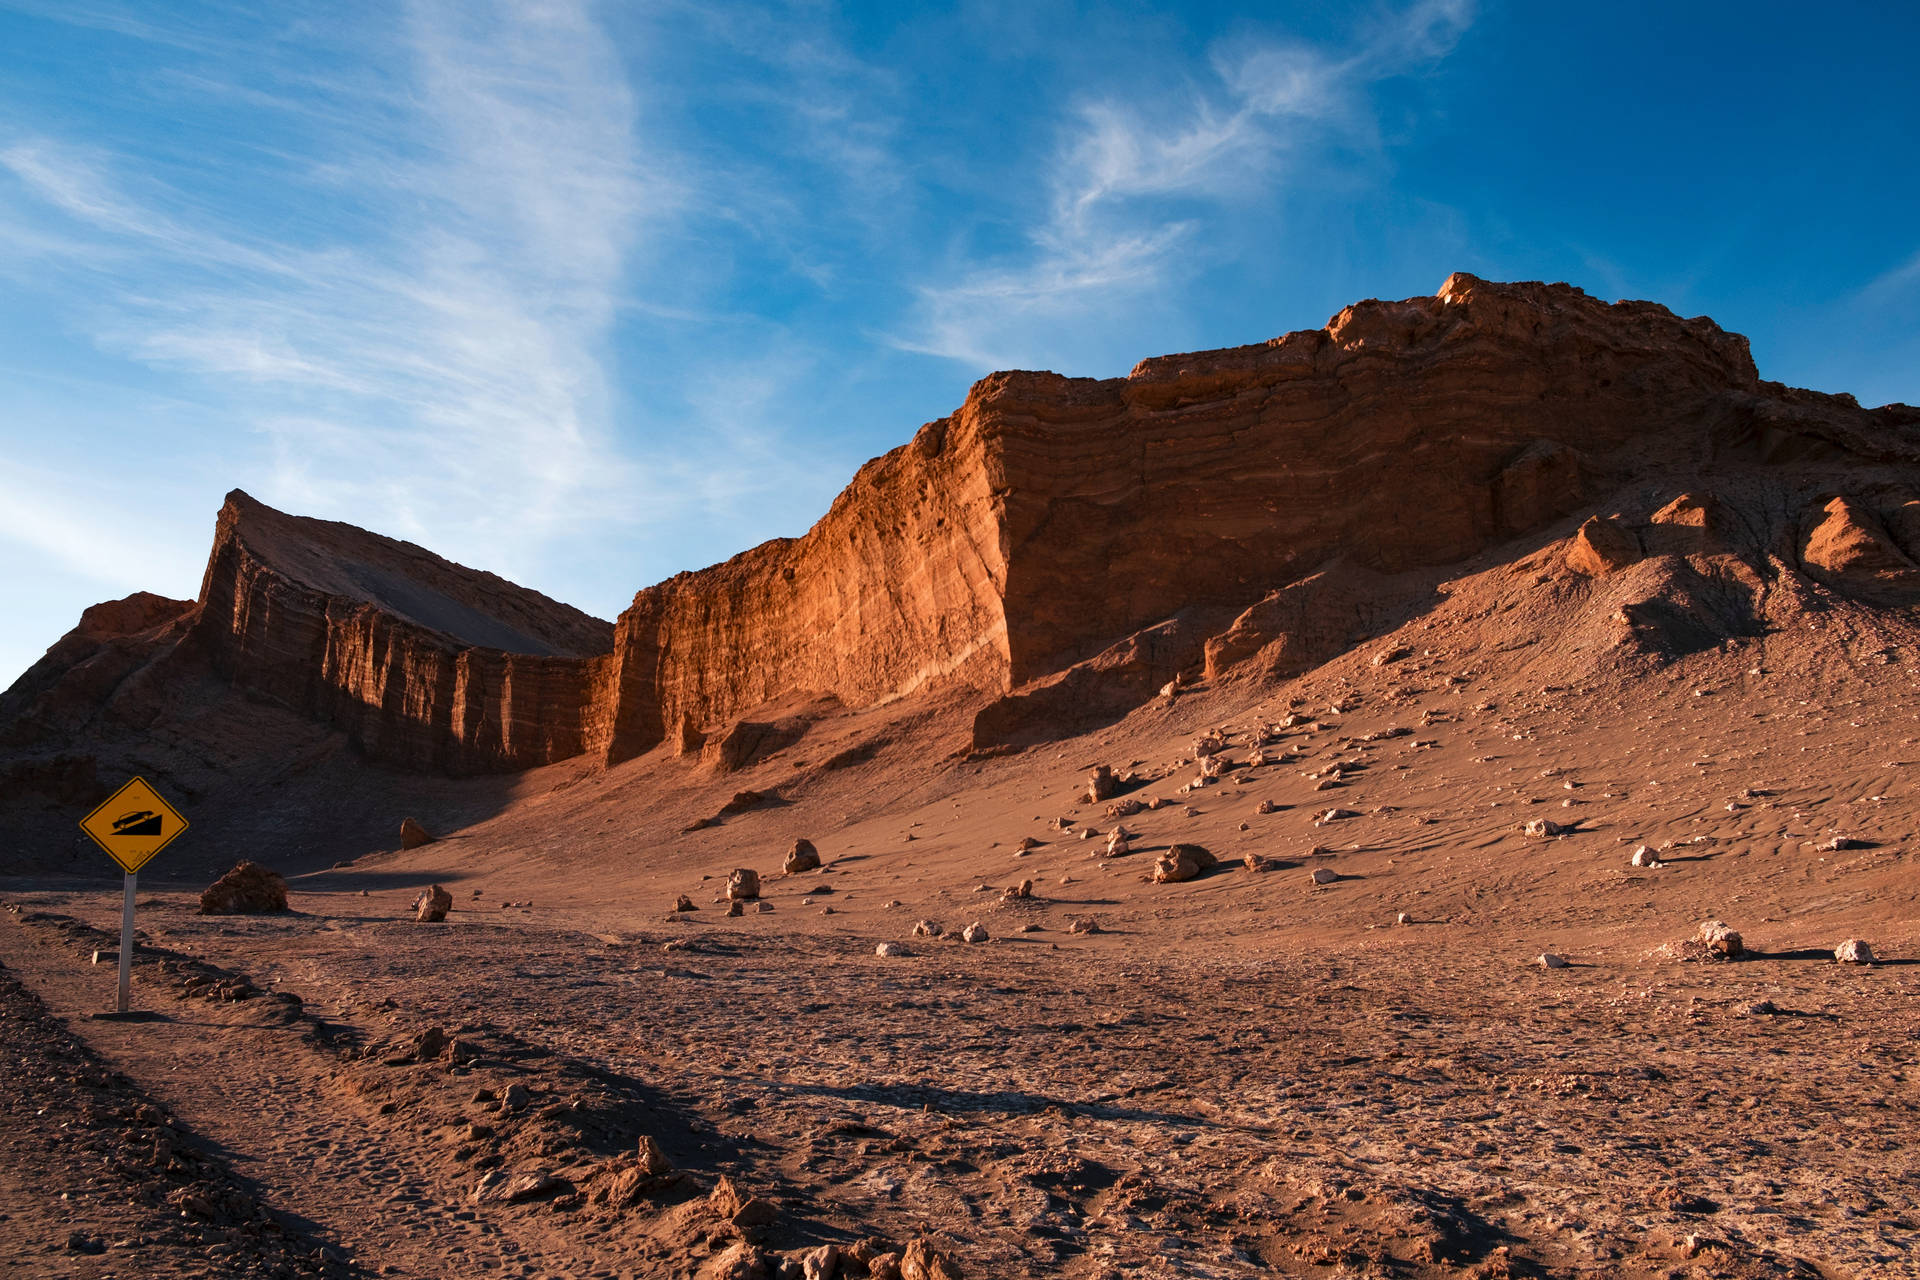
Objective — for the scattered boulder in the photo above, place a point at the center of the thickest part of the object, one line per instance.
(684, 903)
(922, 1261)
(743, 884)
(1393, 654)
(1028, 844)
(1117, 845)
(1181, 862)
(1403, 918)
(432, 905)
(1547, 828)
(1022, 890)
(1647, 856)
(975, 932)
(652, 1159)
(740, 1209)
(802, 857)
(1258, 862)
(413, 835)
(1083, 924)
(1602, 547)
(891, 950)
(736, 909)
(1101, 785)
(1720, 940)
(1335, 815)
(1125, 807)
(822, 1263)
(1266, 806)
(1853, 951)
(248, 889)
(1840, 844)
(1325, 875)
(927, 929)
(1548, 960)
(739, 1261)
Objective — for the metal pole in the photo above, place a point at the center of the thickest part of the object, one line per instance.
(126, 944)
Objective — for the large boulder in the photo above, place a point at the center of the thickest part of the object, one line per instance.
(743, 885)
(248, 889)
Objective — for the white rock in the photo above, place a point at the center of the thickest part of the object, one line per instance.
(1853, 951)
(1644, 856)
(1549, 960)
(890, 950)
(975, 932)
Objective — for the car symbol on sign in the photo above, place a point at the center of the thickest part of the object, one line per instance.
(141, 822)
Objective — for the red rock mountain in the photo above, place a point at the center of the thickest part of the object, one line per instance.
(1057, 549)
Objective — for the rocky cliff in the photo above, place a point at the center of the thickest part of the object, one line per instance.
(1057, 548)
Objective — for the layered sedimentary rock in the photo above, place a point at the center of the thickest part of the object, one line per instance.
(1059, 548)
(1051, 518)
(424, 663)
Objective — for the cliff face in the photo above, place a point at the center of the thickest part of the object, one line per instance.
(423, 663)
(1051, 517)
(1058, 547)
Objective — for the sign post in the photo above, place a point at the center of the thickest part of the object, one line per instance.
(132, 825)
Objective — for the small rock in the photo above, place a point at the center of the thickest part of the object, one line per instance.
(1257, 862)
(1853, 951)
(413, 835)
(1547, 828)
(1083, 924)
(1266, 806)
(1325, 875)
(1403, 918)
(763, 907)
(927, 929)
(743, 885)
(1761, 1009)
(1719, 939)
(516, 1098)
(975, 932)
(432, 905)
(1028, 844)
(736, 909)
(922, 1261)
(1181, 862)
(248, 889)
(822, 1263)
(1647, 856)
(1022, 890)
(1839, 844)
(652, 1159)
(891, 950)
(802, 857)
(1548, 960)
(1336, 815)
(684, 903)
(1100, 786)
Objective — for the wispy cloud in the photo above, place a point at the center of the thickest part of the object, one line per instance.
(442, 365)
(1130, 179)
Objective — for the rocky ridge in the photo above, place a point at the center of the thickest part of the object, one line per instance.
(1059, 549)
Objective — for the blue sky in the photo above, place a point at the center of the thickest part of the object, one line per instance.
(588, 294)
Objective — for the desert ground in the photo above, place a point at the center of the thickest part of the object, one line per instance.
(1251, 1072)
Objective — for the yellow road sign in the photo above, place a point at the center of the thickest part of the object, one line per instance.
(133, 824)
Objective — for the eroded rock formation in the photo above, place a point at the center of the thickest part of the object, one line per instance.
(1058, 548)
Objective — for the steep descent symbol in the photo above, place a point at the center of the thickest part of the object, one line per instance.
(133, 824)
(141, 822)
